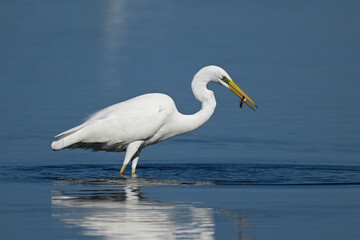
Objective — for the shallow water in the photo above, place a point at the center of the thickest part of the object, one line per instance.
(288, 171)
(182, 201)
(189, 174)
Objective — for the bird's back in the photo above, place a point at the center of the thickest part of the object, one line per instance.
(114, 127)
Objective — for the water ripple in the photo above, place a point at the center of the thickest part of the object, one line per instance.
(193, 174)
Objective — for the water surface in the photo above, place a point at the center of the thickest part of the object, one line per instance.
(177, 201)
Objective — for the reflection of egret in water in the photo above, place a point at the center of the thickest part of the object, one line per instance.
(115, 213)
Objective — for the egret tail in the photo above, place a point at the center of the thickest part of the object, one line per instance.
(67, 138)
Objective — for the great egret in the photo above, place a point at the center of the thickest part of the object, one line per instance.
(147, 119)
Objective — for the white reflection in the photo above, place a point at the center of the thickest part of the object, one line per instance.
(124, 214)
(113, 39)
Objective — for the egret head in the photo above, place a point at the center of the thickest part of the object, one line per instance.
(219, 75)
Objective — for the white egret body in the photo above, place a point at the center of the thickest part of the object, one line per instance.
(147, 119)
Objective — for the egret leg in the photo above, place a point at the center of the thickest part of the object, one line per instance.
(134, 163)
(131, 153)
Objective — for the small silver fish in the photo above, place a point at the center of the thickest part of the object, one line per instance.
(242, 102)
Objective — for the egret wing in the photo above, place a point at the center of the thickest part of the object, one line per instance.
(114, 127)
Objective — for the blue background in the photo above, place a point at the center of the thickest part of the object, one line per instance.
(60, 61)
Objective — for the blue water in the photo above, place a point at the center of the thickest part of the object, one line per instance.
(181, 201)
(288, 171)
(191, 174)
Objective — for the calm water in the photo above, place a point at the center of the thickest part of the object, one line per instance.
(181, 201)
(287, 171)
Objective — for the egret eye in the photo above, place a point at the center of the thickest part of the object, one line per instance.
(225, 79)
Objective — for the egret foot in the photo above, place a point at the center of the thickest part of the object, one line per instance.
(133, 171)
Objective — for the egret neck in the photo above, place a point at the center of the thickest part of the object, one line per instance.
(208, 103)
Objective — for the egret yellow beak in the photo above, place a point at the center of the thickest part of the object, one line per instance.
(238, 92)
